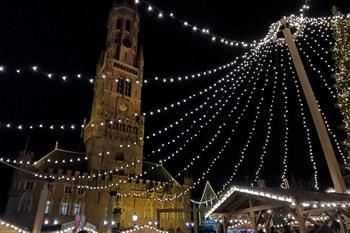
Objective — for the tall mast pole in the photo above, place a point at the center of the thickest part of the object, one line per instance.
(323, 136)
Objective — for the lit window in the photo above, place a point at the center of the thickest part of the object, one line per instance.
(124, 87)
(128, 89)
(64, 208)
(120, 86)
(48, 205)
(77, 208)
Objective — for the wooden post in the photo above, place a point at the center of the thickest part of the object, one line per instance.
(40, 212)
(300, 217)
(328, 151)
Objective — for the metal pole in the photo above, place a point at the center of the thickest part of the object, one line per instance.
(39, 217)
(328, 151)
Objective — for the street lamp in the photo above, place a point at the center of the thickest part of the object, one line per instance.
(134, 218)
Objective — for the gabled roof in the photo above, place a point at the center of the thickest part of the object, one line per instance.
(208, 195)
(157, 172)
(63, 159)
(239, 199)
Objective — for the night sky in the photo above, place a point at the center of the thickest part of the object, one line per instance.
(67, 37)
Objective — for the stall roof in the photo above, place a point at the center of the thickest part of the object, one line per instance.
(240, 200)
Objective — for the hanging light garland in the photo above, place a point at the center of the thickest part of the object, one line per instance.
(251, 131)
(286, 125)
(12, 227)
(304, 122)
(268, 133)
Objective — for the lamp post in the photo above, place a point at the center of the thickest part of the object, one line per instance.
(134, 218)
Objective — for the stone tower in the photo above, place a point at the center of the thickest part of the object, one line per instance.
(114, 135)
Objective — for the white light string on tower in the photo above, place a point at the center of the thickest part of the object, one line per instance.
(252, 130)
(104, 172)
(185, 191)
(35, 69)
(160, 14)
(85, 186)
(319, 73)
(271, 35)
(41, 126)
(191, 97)
(193, 76)
(208, 118)
(303, 118)
(344, 158)
(256, 73)
(56, 161)
(268, 125)
(236, 84)
(246, 63)
(179, 150)
(169, 156)
(285, 121)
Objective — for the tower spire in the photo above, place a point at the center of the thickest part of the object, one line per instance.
(113, 136)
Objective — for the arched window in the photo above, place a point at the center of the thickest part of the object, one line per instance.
(64, 208)
(77, 208)
(48, 206)
(119, 24)
(25, 205)
(127, 25)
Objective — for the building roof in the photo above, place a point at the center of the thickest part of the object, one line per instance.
(156, 172)
(63, 159)
(238, 199)
(77, 161)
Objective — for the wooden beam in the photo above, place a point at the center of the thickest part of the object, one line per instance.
(257, 208)
(301, 219)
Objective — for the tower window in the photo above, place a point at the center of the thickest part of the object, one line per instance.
(64, 208)
(127, 25)
(119, 24)
(48, 205)
(120, 86)
(77, 208)
(124, 87)
(128, 89)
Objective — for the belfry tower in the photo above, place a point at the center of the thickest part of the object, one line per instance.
(114, 135)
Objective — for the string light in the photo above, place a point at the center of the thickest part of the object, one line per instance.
(251, 131)
(19, 126)
(12, 227)
(285, 120)
(304, 122)
(204, 31)
(268, 133)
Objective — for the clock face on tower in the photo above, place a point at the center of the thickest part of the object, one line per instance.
(123, 107)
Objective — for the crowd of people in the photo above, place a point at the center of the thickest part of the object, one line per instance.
(318, 227)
